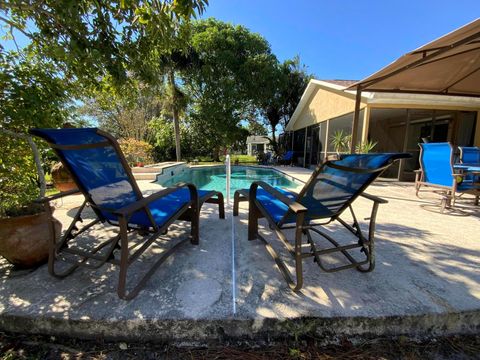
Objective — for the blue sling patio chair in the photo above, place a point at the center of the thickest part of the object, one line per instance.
(103, 176)
(286, 159)
(437, 172)
(329, 192)
(469, 154)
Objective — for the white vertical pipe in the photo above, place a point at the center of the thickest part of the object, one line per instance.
(228, 173)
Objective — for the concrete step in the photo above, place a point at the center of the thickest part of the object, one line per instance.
(146, 170)
(145, 176)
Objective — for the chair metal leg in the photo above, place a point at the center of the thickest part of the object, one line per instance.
(195, 226)
(371, 241)
(221, 206)
(55, 248)
(252, 221)
(126, 260)
(236, 203)
(298, 252)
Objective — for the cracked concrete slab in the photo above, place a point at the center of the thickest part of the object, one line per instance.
(427, 281)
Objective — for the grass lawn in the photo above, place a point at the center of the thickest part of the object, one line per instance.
(242, 159)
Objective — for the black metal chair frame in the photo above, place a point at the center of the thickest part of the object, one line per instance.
(90, 259)
(302, 228)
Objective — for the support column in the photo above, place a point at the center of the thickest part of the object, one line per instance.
(356, 116)
(476, 140)
(366, 124)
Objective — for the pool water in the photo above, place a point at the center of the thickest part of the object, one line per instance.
(214, 178)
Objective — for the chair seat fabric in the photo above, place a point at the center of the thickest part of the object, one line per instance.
(277, 209)
(467, 185)
(161, 209)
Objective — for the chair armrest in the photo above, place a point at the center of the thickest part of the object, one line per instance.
(57, 196)
(374, 198)
(417, 171)
(292, 204)
(129, 209)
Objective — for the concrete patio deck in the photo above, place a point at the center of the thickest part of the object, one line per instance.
(426, 282)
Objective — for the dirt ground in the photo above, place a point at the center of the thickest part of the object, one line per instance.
(13, 346)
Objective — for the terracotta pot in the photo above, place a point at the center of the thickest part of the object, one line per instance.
(24, 239)
(62, 179)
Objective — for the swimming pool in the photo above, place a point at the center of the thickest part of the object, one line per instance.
(214, 178)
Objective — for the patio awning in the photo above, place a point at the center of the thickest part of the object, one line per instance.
(449, 65)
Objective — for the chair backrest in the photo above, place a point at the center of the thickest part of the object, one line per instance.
(288, 155)
(97, 166)
(469, 154)
(336, 184)
(436, 162)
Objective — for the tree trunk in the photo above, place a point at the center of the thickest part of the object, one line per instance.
(216, 154)
(176, 122)
(274, 142)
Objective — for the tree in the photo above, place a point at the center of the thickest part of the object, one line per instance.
(182, 58)
(125, 111)
(256, 128)
(280, 99)
(34, 94)
(228, 78)
(91, 39)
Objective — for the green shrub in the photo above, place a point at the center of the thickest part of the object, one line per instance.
(242, 159)
(137, 151)
(33, 95)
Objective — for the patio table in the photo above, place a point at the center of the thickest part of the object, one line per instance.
(474, 168)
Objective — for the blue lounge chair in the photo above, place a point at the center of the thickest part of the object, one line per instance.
(103, 176)
(437, 171)
(286, 158)
(329, 192)
(469, 154)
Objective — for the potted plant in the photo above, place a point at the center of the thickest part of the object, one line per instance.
(35, 93)
(365, 147)
(62, 180)
(341, 141)
(26, 225)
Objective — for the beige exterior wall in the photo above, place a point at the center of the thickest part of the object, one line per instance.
(324, 105)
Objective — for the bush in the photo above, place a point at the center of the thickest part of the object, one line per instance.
(33, 95)
(18, 176)
(246, 159)
(137, 152)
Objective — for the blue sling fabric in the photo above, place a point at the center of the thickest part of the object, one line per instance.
(469, 154)
(275, 207)
(101, 174)
(332, 189)
(436, 162)
(288, 156)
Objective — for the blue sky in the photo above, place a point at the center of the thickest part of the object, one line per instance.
(342, 39)
(346, 39)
